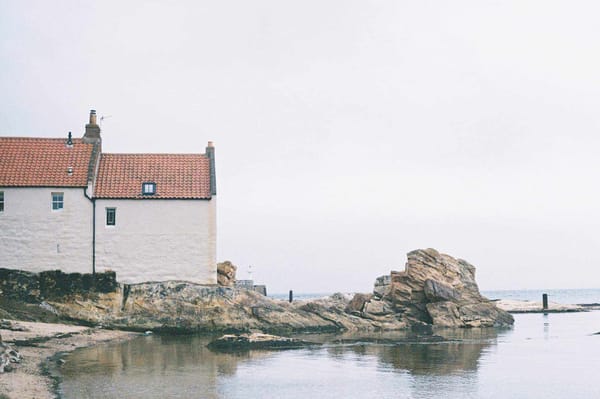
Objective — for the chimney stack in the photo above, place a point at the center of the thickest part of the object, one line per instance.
(210, 154)
(92, 130)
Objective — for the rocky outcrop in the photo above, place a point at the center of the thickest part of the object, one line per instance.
(434, 289)
(250, 341)
(226, 274)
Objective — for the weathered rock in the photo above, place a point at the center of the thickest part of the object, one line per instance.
(382, 286)
(238, 342)
(437, 289)
(226, 273)
(356, 305)
(377, 308)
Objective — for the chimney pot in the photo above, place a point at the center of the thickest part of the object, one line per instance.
(93, 117)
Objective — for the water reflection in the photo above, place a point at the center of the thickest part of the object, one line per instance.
(162, 366)
(167, 365)
(550, 356)
(454, 350)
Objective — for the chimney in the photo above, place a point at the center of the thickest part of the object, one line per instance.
(210, 153)
(92, 130)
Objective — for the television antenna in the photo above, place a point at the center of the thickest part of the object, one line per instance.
(102, 118)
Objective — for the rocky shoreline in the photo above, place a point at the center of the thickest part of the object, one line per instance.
(41, 346)
(434, 291)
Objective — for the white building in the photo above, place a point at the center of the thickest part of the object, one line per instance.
(66, 205)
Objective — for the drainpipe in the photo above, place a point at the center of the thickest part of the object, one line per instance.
(94, 238)
(93, 200)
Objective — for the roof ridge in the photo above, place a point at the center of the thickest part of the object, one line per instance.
(38, 138)
(153, 153)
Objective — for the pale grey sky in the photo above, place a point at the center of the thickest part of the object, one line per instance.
(347, 133)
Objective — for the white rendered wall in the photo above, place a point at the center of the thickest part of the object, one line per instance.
(158, 240)
(34, 237)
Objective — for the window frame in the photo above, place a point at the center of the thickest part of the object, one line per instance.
(1, 201)
(111, 211)
(58, 201)
(151, 185)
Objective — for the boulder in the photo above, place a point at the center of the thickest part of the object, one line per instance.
(437, 289)
(226, 274)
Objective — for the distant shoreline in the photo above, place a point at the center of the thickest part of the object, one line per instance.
(515, 306)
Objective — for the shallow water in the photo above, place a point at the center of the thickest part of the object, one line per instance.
(550, 356)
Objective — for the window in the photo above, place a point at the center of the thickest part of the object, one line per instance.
(57, 201)
(1, 201)
(111, 216)
(149, 188)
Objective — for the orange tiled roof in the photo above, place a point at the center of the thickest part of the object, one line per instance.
(43, 162)
(176, 176)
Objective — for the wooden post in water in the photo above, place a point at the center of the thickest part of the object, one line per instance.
(291, 296)
(545, 301)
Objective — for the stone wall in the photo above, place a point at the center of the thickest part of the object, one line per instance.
(53, 284)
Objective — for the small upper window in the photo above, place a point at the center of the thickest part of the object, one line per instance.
(111, 216)
(1, 201)
(149, 188)
(57, 201)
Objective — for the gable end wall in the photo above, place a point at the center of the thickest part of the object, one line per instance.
(158, 240)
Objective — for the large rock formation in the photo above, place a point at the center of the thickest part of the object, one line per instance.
(434, 289)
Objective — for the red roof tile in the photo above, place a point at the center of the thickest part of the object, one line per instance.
(43, 162)
(176, 176)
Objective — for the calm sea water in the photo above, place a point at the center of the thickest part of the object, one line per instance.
(542, 356)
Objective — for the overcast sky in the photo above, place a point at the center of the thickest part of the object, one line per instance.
(347, 133)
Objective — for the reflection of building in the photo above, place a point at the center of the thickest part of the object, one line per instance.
(64, 204)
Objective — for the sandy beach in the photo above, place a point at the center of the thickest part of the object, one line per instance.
(39, 342)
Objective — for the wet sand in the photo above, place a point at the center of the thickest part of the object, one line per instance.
(37, 346)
